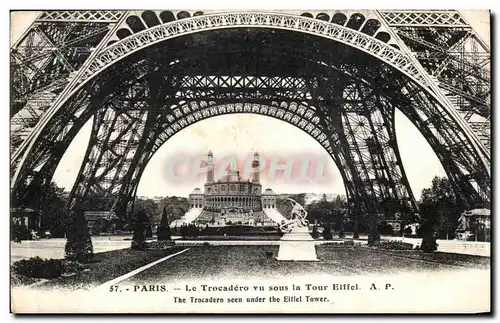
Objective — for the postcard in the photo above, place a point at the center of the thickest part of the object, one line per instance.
(222, 161)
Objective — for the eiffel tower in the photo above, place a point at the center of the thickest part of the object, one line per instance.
(142, 76)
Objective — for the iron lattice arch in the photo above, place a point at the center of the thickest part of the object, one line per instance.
(340, 95)
(445, 47)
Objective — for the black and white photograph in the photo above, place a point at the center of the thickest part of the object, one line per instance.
(250, 161)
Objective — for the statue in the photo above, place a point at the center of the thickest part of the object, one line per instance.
(296, 244)
(297, 219)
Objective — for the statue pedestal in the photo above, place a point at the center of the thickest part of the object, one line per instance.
(297, 245)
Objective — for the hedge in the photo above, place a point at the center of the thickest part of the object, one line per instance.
(39, 268)
(395, 245)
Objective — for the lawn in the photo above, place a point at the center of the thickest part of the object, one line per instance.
(109, 265)
(213, 262)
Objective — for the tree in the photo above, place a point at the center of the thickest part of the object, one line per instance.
(328, 211)
(339, 202)
(140, 223)
(54, 213)
(176, 207)
(429, 243)
(149, 231)
(163, 231)
(79, 243)
(338, 218)
(341, 230)
(373, 233)
(299, 198)
(150, 208)
(319, 211)
(19, 231)
(355, 220)
(440, 209)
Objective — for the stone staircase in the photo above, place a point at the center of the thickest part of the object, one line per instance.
(190, 216)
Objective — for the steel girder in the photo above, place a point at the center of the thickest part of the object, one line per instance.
(454, 57)
(42, 161)
(46, 58)
(368, 123)
(370, 166)
(365, 30)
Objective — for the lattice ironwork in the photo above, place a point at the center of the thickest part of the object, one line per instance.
(174, 28)
(428, 18)
(336, 32)
(342, 92)
(454, 57)
(87, 16)
(46, 58)
(376, 157)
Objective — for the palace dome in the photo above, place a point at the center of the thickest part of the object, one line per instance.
(196, 191)
(269, 191)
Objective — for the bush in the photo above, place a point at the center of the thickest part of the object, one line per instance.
(72, 266)
(38, 268)
(19, 232)
(189, 230)
(348, 243)
(395, 245)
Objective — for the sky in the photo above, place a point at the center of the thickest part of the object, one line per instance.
(243, 134)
